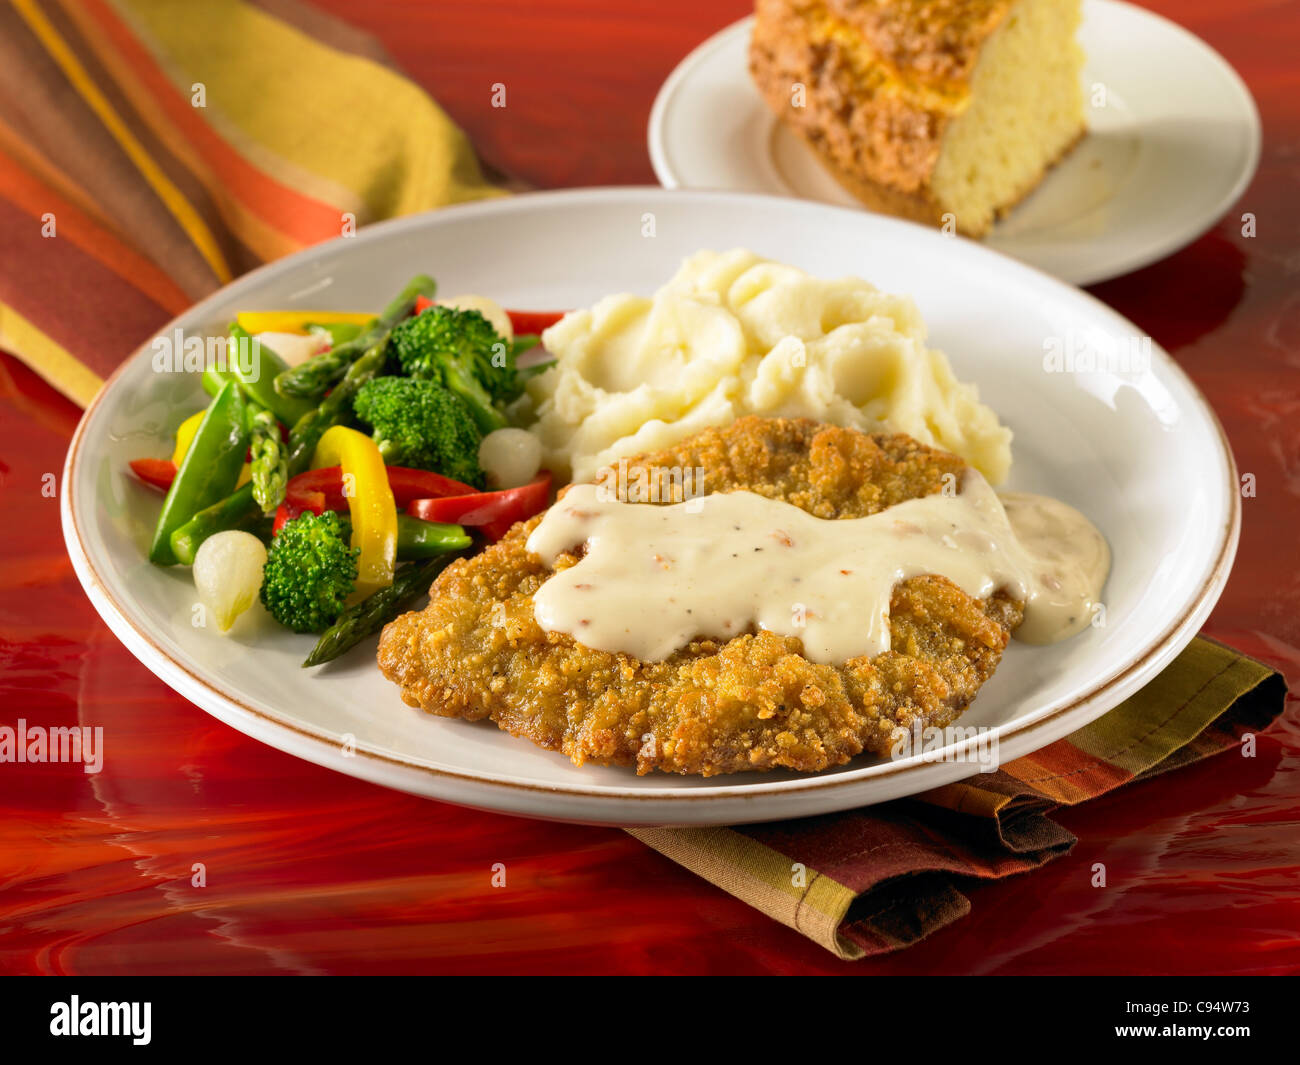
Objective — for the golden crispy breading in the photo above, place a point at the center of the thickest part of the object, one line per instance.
(752, 702)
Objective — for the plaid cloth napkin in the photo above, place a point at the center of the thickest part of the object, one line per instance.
(876, 880)
(150, 151)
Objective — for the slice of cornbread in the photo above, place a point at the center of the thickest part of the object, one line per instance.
(943, 111)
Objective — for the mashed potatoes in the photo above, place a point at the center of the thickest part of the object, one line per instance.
(734, 334)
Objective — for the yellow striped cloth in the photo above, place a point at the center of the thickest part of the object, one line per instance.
(150, 151)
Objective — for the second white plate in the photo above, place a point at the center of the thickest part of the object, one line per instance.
(1174, 139)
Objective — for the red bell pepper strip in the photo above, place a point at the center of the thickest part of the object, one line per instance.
(491, 512)
(284, 514)
(408, 484)
(522, 322)
(322, 489)
(156, 472)
(316, 490)
(525, 322)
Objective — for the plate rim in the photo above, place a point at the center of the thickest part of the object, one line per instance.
(1022, 737)
(1175, 239)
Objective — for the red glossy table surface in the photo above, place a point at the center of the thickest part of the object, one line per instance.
(308, 871)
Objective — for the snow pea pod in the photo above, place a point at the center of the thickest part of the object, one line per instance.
(257, 374)
(418, 539)
(210, 470)
(424, 539)
(239, 510)
(213, 378)
(338, 332)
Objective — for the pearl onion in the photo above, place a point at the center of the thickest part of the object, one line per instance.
(228, 574)
(510, 457)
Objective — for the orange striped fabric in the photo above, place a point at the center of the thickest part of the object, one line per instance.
(140, 168)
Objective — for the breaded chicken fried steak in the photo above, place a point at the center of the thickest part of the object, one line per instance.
(767, 695)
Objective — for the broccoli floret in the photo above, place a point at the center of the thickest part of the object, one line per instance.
(464, 353)
(419, 423)
(310, 571)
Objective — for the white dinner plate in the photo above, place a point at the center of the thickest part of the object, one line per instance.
(1139, 452)
(1173, 140)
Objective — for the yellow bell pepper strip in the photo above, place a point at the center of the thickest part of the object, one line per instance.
(185, 436)
(298, 321)
(370, 503)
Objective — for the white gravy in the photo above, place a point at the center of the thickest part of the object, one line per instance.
(655, 577)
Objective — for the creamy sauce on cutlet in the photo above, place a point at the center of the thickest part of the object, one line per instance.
(653, 578)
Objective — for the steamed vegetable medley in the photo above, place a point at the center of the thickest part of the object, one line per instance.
(345, 459)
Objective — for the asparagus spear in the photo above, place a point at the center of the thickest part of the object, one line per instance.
(335, 408)
(240, 510)
(269, 461)
(375, 611)
(313, 377)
